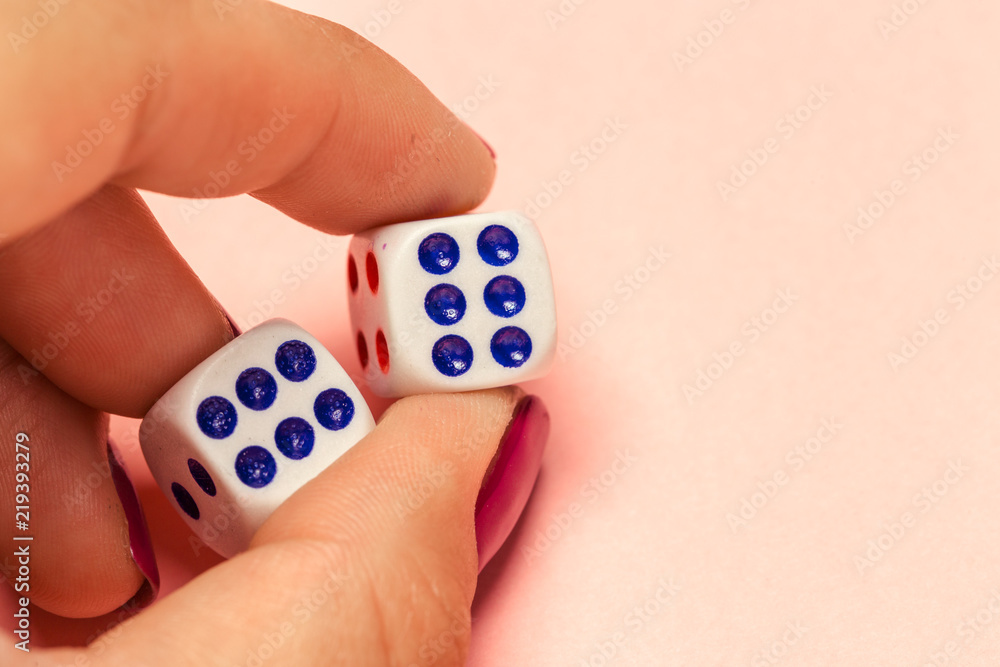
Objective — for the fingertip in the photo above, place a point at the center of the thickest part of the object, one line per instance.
(419, 471)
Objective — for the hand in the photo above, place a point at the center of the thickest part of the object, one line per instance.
(208, 98)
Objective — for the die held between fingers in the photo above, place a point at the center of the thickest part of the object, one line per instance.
(451, 304)
(243, 430)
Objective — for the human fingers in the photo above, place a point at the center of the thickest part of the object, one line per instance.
(63, 516)
(100, 303)
(373, 562)
(190, 100)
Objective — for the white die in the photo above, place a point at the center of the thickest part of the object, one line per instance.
(247, 427)
(451, 304)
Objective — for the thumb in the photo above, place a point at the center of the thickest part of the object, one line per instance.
(374, 561)
(424, 502)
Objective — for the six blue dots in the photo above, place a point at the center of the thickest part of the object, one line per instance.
(504, 296)
(452, 356)
(294, 437)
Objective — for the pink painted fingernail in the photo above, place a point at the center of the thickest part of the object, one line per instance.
(235, 328)
(140, 543)
(232, 325)
(512, 476)
(493, 153)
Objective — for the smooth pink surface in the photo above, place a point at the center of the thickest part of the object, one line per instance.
(626, 546)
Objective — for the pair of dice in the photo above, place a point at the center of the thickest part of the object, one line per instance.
(451, 304)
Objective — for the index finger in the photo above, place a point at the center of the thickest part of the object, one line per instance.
(204, 99)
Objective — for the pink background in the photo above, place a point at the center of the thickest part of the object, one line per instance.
(633, 544)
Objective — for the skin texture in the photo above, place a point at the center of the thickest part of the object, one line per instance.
(344, 116)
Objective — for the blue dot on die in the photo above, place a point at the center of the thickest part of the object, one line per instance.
(294, 438)
(504, 296)
(511, 347)
(256, 388)
(295, 360)
(255, 466)
(216, 417)
(445, 304)
(452, 355)
(185, 501)
(334, 409)
(438, 253)
(497, 245)
(201, 476)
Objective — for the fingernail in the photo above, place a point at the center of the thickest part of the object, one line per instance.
(232, 323)
(233, 327)
(511, 477)
(140, 543)
(493, 153)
